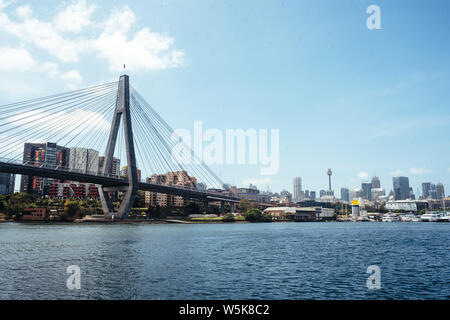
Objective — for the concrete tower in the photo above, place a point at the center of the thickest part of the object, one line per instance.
(329, 172)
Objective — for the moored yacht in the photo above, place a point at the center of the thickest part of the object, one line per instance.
(429, 217)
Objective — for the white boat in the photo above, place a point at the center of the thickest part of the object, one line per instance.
(429, 217)
(390, 218)
(444, 218)
(408, 218)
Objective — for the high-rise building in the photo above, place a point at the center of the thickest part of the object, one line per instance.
(376, 182)
(345, 194)
(401, 188)
(433, 192)
(355, 194)
(83, 160)
(376, 193)
(312, 195)
(440, 191)
(367, 190)
(322, 193)
(426, 187)
(297, 189)
(48, 155)
(115, 171)
(7, 183)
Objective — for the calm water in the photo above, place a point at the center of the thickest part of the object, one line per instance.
(225, 261)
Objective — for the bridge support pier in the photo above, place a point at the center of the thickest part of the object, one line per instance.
(232, 207)
(222, 207)
(122, 110)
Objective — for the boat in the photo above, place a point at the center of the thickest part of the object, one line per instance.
(444, 218)
(429, 217)
(409, 218)
(390, 218)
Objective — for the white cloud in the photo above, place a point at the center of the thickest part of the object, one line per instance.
(397, 173)
(363, 175)
(12, 59)
(419, 171)
(72, 75)
(75, 17)
(113, 39)
(145, 50)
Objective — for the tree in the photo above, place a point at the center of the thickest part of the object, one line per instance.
(139, 201)
(191, 207)
(18, 202)
(72, 210)
(244, 205)
(256, 215)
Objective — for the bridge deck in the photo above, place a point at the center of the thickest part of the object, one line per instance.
(109, 181)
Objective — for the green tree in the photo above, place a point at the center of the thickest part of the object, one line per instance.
(191, 207)
(18, 202)
(72, 210)
(244, 205)
(139, 201)
(256, 215)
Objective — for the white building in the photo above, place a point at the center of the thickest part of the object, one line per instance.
(83, 160)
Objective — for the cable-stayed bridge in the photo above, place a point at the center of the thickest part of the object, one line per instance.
(112, 117)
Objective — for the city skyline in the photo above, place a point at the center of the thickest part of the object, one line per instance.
(386, 107)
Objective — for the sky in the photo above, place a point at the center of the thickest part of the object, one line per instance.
(361, 102)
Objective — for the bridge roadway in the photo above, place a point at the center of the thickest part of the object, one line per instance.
(64, 175)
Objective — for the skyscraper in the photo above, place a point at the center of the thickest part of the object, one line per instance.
(345, 194)
(376, 182)
(440, 191)
(401, 188)
(297, 189)
(367, 190)
(426, 187)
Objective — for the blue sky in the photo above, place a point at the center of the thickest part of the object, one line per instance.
(359, 101)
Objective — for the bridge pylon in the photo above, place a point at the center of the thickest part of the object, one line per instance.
(121, 111)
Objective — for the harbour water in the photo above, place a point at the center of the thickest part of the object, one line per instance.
(225, 261)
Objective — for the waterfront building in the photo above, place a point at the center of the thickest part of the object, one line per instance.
(345, 194)
(7, 183)
(48, 155)
(401, 188)
(300, 214)
(173, 179)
